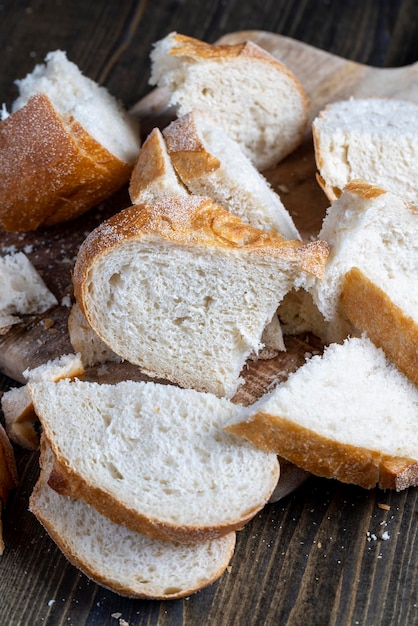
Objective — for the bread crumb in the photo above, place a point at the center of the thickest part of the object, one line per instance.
(48, 322)
(385, 507)
(116, 615)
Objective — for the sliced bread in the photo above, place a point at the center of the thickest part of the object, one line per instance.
(22, 290)
(212, 164)
(349, 414)
(371, 274)
(184, 289)
(253, 96)
(70, 133)
(153, 457)
(369, 139)
(120, 559)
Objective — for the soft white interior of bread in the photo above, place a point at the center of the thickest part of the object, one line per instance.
(379, 236)
(158, 449)
(371, 139)
(123, 559)
(64, 366)
(236, 184)
(353, 395)
(187, 313)
(257, 103)
(76, 95)
(22, 290)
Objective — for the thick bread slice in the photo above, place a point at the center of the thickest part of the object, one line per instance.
(350, 415)
(153, 175)
(254, 97)
(68, 132)
(22, 290)
(8, 475)
(184, 289)
(212, 164)
(120, 559)
(154, 457)
(16, 403)
(371, 274)
(370, 139)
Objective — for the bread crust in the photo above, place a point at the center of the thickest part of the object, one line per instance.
(325, 457)
(372, 311)
(52, 169)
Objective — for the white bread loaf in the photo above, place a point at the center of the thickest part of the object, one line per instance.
(256, 99)
(16, 403)
(22, 290)
(184, 289)
(371, 276)
(210, 163)
(120, 559)
(369, 139)
(349, 414)
(153, 175)
(8, 475)
(153, 457)
(68, 132)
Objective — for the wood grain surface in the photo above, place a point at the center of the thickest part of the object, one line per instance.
(319, 556)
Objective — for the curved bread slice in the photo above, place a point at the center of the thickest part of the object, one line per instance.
(184, 289)
(253, 96)
(210, 163)
(349, 414)
(68, 132)
(120, 559)
(153, 457)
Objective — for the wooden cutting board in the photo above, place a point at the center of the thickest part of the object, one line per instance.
(325, 78)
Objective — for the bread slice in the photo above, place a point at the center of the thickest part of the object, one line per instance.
(349, 414)
(153, 175)
(16, 403)
(253, 96)
(68, 132)
(371, 273)
(120, 559)
(369, 139)
(86, 343)
(212, 164)
(184, 289)
(8, 475)
(153, 457)
(22, 290)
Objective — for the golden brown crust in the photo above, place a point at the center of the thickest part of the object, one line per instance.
(52, 169)
(372, 311)
(67, 482)
(326, 457)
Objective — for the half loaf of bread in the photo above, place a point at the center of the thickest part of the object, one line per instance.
(371, 274)
(253, 96)
(184, 289)
(153, 457)
(349, 414)
(120, 559)
(69, 133)
(369, 139)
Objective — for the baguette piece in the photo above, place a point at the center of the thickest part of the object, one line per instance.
(368, 139)
(212, 164)
(153, 457)
(22, 290)
(371, 273)
(17, 405)
(349, 414)
(68, 132)
(153, 175)
(254, 97)
(120, 559)
(8, 475)
(184, 289)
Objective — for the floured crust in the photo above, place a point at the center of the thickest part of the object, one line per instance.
(373, 312)
(325, 457)
(37, 144)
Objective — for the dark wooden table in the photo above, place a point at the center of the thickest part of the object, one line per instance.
(316, 557)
